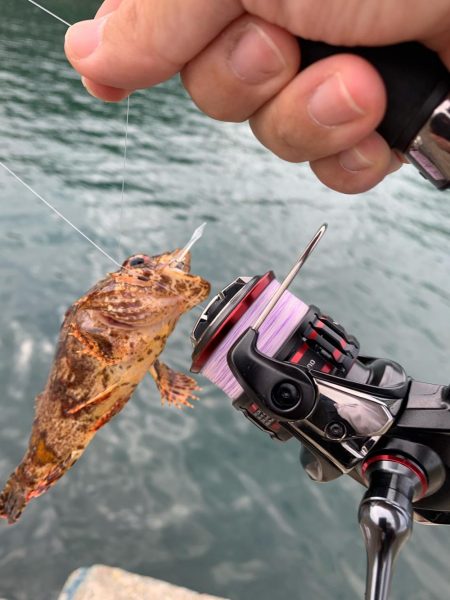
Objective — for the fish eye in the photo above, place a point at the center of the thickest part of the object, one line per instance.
(137, 262)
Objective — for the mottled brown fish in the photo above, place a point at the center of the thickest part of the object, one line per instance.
(110, 339)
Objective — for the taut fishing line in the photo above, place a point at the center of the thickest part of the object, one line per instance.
(60, 215)
(124, 168)
(49, 12)
(56, 211)
(195, 236)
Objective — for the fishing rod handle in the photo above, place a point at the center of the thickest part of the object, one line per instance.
(417, 119)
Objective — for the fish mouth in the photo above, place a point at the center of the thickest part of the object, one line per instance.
(180, 265)
(176, 260)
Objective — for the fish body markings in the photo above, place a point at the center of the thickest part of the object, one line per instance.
(110, 338)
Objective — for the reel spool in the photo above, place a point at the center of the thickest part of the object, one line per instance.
(293, 332)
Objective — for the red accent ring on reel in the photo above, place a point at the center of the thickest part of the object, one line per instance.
(400, 460)
(231, 320)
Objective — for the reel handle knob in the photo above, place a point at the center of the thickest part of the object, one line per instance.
(417, 119)
(386, 527)
(386, 517)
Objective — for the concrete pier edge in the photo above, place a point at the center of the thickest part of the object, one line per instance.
(100, 582)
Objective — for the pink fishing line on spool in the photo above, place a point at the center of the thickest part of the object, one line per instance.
(281, 322)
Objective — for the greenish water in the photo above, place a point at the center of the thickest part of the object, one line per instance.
(199, 498)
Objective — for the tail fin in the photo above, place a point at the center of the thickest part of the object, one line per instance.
(12, 500)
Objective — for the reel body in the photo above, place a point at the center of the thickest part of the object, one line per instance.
(354, 415)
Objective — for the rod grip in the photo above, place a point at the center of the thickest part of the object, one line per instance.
(415, 78)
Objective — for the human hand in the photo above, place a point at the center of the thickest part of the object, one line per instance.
(239, 60)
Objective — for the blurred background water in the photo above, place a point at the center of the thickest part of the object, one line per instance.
(200, 498)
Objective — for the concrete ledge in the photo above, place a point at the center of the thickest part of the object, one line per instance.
(108, 583)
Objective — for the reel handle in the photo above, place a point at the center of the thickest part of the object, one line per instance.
(395, 481)
(386, 527)
(386, 516)
(417, 119)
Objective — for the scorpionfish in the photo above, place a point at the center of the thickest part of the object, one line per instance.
(109, 340)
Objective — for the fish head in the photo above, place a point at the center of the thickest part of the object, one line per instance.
(148, 291)
(167, 278)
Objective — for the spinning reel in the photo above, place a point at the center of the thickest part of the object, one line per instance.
(296, 373)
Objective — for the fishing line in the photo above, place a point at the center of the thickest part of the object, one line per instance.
(49, 12)
(60, 215)
(197, 233)
(124, 169)
(55, 210)
(121, 249)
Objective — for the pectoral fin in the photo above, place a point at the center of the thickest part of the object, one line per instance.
(98, 399)
(175, 388)
(96, 344)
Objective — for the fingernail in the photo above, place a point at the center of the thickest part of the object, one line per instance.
(108, 95)
(85, 83)
(256, 58)
(354, 160)
(83, 38)
(331, 104)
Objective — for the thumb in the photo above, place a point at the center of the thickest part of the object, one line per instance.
(142, 42)
(107, 7)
